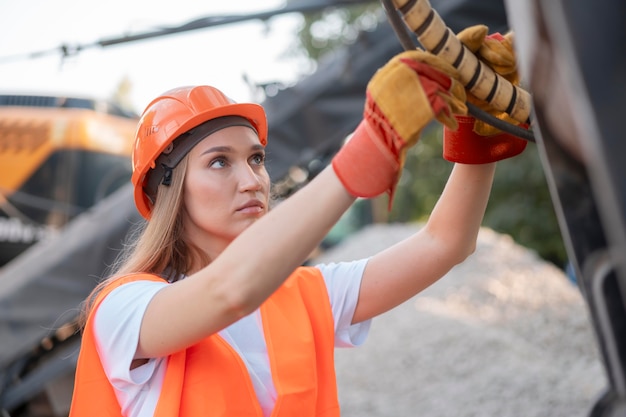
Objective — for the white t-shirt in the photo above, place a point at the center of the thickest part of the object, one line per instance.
(118, 319)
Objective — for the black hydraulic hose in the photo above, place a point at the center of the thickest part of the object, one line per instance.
(404, 36)
(504, 126)
(398, 26)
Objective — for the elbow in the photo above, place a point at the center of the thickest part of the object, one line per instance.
(468, 251)
(454, 248)
(463, 250)
(458, 252)
(238, 295)
(238, 302)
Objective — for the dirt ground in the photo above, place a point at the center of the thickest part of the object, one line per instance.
(503, 334)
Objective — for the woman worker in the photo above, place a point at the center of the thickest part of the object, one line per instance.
(210, 313)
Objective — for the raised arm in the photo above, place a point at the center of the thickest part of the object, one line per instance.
(403, 270)
(450, 234)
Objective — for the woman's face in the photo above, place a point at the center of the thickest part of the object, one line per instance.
(226, 187)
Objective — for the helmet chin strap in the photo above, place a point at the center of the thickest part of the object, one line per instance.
(173, 154)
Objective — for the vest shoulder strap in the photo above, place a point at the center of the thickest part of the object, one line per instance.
(93, 394)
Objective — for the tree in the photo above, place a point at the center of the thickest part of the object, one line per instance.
(334, 27)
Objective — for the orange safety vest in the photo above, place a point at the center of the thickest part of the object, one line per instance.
(210, 379)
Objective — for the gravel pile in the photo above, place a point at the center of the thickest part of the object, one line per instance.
(503, 334)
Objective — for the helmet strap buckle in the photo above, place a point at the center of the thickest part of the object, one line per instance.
(167, 175)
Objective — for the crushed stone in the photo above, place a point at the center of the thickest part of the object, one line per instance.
(503, 334)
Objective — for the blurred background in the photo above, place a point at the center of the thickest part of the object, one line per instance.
(74, 76)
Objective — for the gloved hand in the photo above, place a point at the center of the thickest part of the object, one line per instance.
(497, 52)
(406, 94)
(477, 142)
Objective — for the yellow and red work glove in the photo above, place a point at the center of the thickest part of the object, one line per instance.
(476, 142)
(406, 94)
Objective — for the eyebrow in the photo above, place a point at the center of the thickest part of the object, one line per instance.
(220, 149)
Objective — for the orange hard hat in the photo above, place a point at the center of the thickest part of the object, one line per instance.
(175, 114)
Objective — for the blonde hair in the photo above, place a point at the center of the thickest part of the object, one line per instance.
(159, 246)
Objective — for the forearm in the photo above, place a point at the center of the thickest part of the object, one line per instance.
(458, 214)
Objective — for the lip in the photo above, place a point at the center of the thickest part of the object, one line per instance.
(253, 206)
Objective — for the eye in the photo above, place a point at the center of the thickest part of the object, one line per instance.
(219, 162)
(258, 158)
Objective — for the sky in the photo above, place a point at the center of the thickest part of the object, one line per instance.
(221, 56)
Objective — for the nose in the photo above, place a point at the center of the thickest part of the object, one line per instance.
(249, 179)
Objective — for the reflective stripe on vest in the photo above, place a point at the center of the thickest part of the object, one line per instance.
(210, 379)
